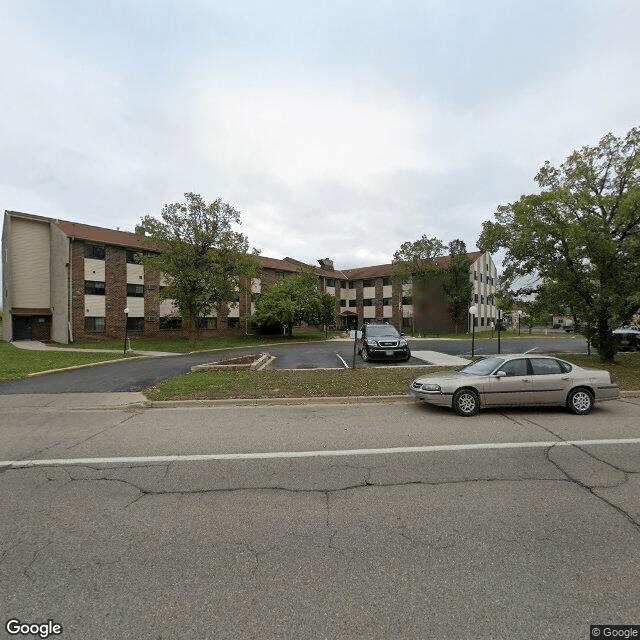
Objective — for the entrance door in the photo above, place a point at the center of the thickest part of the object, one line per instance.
(22, 328)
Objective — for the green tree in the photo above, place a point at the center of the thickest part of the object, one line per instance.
(293, 300)
(456, 283)
(204, 261)
(417, 258)
(580, 234)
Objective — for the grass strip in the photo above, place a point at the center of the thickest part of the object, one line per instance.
(215, 385)
(17, 363)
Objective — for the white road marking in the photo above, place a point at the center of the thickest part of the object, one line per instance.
(344, 364)
(16, 464)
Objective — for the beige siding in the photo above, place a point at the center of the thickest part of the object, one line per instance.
(135, 274)
(167, 308)
(94, 269)
(94, 306)
(136, 307)
(30, 264)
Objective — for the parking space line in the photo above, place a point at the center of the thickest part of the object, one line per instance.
(344, 364)
(17, 464)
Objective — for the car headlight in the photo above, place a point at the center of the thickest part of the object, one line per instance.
(372, 342)
(430, 387)
(402, 343)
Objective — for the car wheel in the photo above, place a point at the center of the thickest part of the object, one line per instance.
(364, 355)
(466, 402)
(580, 401)
(408, 357)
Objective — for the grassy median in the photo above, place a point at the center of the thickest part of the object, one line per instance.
(215, 385)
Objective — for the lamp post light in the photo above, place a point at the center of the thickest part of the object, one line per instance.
(126, 328)
(473, 311)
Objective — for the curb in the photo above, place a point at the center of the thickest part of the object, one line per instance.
(257, 402)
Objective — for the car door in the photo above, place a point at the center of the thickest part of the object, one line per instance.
(550, 381)
(516, 387)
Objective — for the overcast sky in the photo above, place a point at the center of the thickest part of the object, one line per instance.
(339, 129)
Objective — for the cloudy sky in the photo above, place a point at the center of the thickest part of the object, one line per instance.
(339, 128)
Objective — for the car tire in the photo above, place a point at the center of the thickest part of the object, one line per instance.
(408, 357)
(466, 402)
(580, 401)
(364, 355)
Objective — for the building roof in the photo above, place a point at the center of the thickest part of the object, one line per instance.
(381, 270)
(103, 235)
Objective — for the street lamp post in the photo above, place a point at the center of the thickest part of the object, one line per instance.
(519, 319)
(499, 327)
(473, 311)
(126, 328)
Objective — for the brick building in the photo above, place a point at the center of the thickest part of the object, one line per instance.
(65, 281)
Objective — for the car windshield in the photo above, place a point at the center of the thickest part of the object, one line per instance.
(482, 367)
(381, 330)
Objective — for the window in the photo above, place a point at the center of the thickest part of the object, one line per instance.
(546, 366)
(475, 275)
(131, 256)
(369, 282)
(387, 302)
(330, 282)
(406, 323)
(386, 281)
(170, 323)
(135, 324)
(481, 299)
(279, 275)
(232, 323)
(369, 302)
(353, 303)
(94, 251)
(515, 368)
(352, 284)
(475, 297)
(135, 290)
(95, 325)
(208, 323)
(343, 303)
(407, 300)
(480, 277)
(94, 288)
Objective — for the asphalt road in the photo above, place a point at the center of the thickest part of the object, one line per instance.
(137, 374)
(496, 528)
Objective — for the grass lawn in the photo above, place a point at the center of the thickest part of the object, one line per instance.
(181, 345)
(213, 385)
(16, 363)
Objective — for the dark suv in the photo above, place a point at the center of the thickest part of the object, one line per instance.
(381, 341)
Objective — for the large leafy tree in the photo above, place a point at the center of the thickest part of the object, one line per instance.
(457, 284)
(419, 260)
(204, 260)
(580, 234)
(293, 300)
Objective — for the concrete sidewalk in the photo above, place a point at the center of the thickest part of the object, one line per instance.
(35, 345)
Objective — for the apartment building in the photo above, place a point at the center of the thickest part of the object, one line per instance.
(69, 282)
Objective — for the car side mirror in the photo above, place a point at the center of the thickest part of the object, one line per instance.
(500, 374)
(402, 335)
